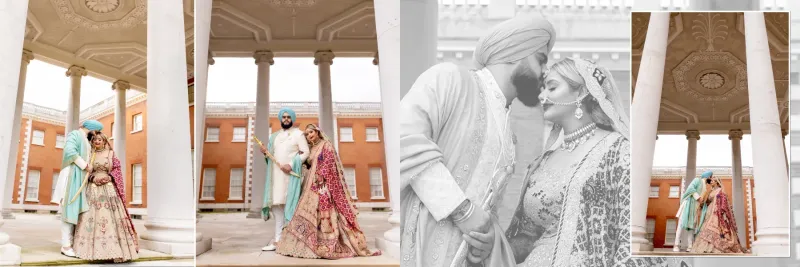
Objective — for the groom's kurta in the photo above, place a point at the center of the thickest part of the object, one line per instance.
(451, 134)
(688, 210)
(287, 144)
(70, 179)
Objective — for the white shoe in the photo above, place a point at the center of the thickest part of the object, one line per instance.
(676, 249)
(689, 249)
(270, 247)
(68, 252)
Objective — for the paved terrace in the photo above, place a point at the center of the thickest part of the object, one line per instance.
(237, 241)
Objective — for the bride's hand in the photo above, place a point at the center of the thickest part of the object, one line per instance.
(481, 244)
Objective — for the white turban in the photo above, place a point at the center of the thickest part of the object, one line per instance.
(514, 40)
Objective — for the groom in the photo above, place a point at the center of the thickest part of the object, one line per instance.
(687, 213)
(69, 187)
(281, 189)
(443, 127)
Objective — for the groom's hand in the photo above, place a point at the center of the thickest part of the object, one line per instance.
(481, 245)
(479, 221)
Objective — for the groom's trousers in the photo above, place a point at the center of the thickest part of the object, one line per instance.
(279, 220)
(67, 230)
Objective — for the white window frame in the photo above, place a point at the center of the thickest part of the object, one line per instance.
(657, 191)
(650, 228)
(63, 141)
(377, 135)
(372, 190)
(243, 135)
(354, 192)
(343, 136)
(208, 184)
(670, 232)
(34, 138)
(240, 177)
(137, 184)
(677, 191)
(208, 133)
(137, 125)
(53, 186)
(32, 186)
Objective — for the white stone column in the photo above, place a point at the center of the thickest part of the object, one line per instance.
(784, 132)
(170, 198)
(202, 28)
(691, 166)
(387, 17)
(264, 59)
(12, 17)
(27, 56)
(120, 124)
(324, 59)
(645, 107)
(738, 184)
(772, 190)
(420, 37)
(75, 73)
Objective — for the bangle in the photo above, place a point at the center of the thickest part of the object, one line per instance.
(466, 214)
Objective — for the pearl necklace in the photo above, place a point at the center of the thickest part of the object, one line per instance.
(580, 136)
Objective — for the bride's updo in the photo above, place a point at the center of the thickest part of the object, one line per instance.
(567, 69)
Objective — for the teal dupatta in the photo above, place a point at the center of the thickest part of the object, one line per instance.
(73, 148)
(292, 193)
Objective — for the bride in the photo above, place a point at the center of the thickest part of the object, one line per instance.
(574, 208)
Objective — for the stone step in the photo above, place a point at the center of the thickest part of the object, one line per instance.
(274, 260)
(51, 256)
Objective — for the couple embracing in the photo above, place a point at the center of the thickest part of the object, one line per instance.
(91, 194)
(458, 153)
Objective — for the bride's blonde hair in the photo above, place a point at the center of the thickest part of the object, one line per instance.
(95, 134)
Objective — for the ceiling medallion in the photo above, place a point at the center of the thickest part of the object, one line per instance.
(712, 80)
(102, 6)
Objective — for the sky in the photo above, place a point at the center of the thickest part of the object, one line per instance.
(712, 150)
(293, 79)
(48, 85)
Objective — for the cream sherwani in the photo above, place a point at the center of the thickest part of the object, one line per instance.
(455, 143)
(287, 144)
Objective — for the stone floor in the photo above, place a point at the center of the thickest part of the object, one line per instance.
(39, 236)
(237, 241)
(669, 252)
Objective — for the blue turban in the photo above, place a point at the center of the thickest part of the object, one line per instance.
(707, 174)
(92, 125)
(286, 110)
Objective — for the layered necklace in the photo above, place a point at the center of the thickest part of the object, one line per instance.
(580, 136)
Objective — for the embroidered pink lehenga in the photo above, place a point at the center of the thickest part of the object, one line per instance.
(324, 224)
(718, 233)
(105, 231)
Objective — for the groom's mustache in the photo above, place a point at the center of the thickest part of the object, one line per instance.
(528, 87)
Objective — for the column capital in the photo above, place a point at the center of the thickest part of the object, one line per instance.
(377, 59)
(735, 134)
(211, 58)
(263, 56)
(76, 71)
(323, 57)
(693, 134)
(120, 84)
(27, 55)
(784, 132)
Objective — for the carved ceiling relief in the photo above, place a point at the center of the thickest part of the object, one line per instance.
(779, 23)
(97, 15)
(639, 22)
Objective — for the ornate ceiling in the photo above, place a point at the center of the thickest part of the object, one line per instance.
(293, 27)
(705, 75)
(107, 37)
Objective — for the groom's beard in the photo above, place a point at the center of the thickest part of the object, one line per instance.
(527, 84)
(285, 125)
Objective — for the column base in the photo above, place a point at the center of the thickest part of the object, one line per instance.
(173, 237)
(202, 245)
(388, 248)
(772, 243)
(10, 254)
(638, 240)
(7, 214)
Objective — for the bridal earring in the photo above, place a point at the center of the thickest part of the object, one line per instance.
(578, 111)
